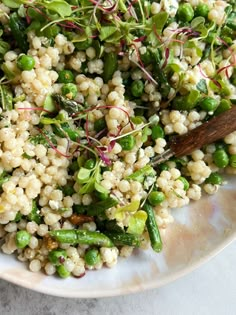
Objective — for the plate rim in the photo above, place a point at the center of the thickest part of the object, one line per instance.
(134, 288)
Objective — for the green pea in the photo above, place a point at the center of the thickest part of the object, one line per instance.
(62, 271)
(232, 160)
(185, 12)
(163, 167)
(146, 58)
(69, 90)
(65, 76)
(92, 257)
(202, 10)
(22, 239)
(57, 256)
(74, 166)
(220, 158)
(52, 31)
(208, 104)
(185, 182)
(157, 132)
(137, 88)
(68, 190)
(25, 62)
(223, 106)
(214, 179)
(156, 197)
(127, 143)
(100, 124)
(90, 164)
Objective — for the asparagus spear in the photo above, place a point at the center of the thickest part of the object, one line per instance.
(152, 228)
(120, 239)
(81, 237)
(68, 105)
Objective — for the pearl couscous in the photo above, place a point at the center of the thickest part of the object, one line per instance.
(90, 93)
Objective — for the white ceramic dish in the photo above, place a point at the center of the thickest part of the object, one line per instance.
(199, 232)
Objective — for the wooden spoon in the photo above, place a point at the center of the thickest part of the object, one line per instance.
(209, 132)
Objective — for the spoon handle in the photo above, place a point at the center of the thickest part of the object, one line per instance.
(209, 132)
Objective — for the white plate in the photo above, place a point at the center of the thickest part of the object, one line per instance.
(199, 232)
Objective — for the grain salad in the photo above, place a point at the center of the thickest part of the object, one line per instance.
(91, 92)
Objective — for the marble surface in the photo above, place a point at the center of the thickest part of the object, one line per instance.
(209, 290)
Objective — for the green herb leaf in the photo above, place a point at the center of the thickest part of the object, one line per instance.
(59, 6)
(6, 97)
(49, 104)
(202, 86)
(107, 31)
(137, 223)
(13, 4)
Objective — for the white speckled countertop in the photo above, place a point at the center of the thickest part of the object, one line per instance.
(208, 290)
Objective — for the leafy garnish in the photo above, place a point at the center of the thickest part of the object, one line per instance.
(202, 86)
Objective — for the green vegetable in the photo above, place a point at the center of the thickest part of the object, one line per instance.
(100, 124)
(18, 31)
(208, 104)
(25, 62)
(57, 256)
(101, 206)
(185, 182)
(232, 160)
(137, 88)
(214, 179)
(35, 213)
(163, 167)
(62, 271)
(83, 175)
(69, 90)
(142, 173)
(220, 158)
(42, 138)
(92, 257)
(185, 12)
(152, 228)
(4, 177)
(130, 207)
(6, 98)
(48, 104)
(81, 237)
(120, 239)
(202, 86)
(223, 106)
(157, 132)
(22, 239)
(156, 197)
(69, 106)
(68, 190)
(186, 102)
(13, 4)
(58, 6)
(202, 9)
(65, 76)
(127, 143)
(110, 65)
(90, 164)
(18, 217)
(137, 223)
(231, 20)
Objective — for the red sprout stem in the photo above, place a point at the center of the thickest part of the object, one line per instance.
(167, 54)
(212, 79)
(140, 39)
